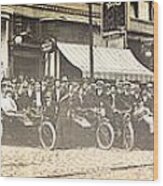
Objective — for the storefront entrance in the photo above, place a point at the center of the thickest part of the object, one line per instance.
(28, 62)
(26, 66)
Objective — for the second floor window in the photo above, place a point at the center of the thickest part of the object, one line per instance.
(26, 25)
(151, 11)
(134, 9)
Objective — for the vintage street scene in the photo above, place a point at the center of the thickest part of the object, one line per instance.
(77, 90)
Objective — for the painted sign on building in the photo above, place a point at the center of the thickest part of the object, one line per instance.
(113, 16)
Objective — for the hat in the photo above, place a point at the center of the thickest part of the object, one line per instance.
(14, 80)
(32, 81)
(144, 92)
(7, 83)
(3, 83)
(44, 83)
(25, 84)
(100, 83)
(85, 80)
(119, 83)
(64, 79)
(48, 94)
(108, 85)
(135, 87)
(8, 91)
(74, 86)
(50, 83)
(149, 85)
(93, 84)
(127, 83)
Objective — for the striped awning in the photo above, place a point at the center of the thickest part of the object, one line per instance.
(109, 63)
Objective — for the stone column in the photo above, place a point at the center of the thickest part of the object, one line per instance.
(57, 64)
(52, 66)
(46, 63)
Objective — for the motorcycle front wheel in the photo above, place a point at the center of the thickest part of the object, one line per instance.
(47, 135)
(105, 136)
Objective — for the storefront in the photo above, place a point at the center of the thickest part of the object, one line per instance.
(143, 49)
(109, 63)
(4, 44)
(25, 54)
(27, 60)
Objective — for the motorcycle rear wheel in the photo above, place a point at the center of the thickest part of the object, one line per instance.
(128, 136)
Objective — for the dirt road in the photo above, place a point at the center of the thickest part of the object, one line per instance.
(77, 163)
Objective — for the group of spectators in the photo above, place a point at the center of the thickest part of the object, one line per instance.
(23, 93)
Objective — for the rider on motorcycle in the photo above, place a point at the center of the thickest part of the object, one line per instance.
(142, 114)
(10, 111)
(8, 105)
(49, 106)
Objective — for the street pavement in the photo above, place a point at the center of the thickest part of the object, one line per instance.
(77, 163)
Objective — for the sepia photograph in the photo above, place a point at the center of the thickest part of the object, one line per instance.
(79, 90)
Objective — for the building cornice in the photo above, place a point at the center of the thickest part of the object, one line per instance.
(52, 12)
(64, 9)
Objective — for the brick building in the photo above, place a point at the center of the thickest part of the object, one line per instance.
(26, 28)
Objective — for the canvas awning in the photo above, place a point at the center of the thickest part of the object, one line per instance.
(109, 63)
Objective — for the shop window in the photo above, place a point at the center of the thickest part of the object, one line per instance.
(134, 9)
(18, 25)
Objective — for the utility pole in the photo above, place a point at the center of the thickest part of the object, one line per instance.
(91, 42)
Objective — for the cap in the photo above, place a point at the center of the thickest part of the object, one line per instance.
(100, 83)
(48, 94)
(85, 80)
(4, 83)
(135, 87)
(119, 83)
(108, 85)
(127, 83)
(8, 83)
(8, 91)
(64, 79)
(149, 85)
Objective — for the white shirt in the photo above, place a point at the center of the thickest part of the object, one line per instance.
(8, 105)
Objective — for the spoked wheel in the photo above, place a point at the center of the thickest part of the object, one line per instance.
(128, 136)
(105, 136)
(1, 130)
(47, 135)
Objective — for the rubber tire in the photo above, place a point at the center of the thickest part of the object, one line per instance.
(130, 127)
(53, 131)
(1, 130)
(100, 145)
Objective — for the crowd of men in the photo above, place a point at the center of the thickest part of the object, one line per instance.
(24, 93)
